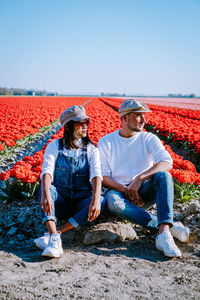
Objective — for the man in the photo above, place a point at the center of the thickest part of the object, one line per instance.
(135, 174)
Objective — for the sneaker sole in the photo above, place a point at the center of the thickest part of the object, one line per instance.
(49, 254)
(166, 254)
(41, 248)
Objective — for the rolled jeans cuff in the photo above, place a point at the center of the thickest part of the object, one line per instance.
(49, 218)
(169, 221)
(73, 222)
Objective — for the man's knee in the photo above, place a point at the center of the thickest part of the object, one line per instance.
(115, 201)
(163, 176)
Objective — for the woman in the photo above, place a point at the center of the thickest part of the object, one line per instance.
(70, 165)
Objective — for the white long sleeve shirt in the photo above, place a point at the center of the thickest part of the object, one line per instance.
(123, 159)
(51, 154)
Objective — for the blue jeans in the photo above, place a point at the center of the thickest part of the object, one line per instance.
(159, 189)
(73, 210)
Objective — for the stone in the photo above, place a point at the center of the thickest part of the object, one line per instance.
(2, 184)
(195, 236)
(108, 233)
(178, 216)
(3, 195)
(193, 208)
(17, 219)
(20, 237)
(12, 231)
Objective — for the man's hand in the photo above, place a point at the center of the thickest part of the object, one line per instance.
(46, 202)
(138, 202)
(132, 192)
(94, 209)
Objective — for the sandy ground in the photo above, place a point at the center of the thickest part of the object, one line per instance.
(128, 270)
(120, 270)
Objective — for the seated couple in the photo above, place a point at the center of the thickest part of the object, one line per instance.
(134, 165)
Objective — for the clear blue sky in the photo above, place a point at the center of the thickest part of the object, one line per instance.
(144, 47)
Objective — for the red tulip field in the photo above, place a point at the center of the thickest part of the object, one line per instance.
(22, 117)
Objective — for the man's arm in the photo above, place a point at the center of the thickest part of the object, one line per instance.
(111, 184)
(137, 181)
(160, 166)
(131, 191)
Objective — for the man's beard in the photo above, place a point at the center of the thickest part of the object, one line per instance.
(134, 129)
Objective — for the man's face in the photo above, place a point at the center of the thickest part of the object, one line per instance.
(135, 121)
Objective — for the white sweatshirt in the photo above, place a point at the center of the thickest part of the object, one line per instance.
(123, 159)
(51, 154)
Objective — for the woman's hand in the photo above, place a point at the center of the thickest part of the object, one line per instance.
(46, 202)
(94, 209)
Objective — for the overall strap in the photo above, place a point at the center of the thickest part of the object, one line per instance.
(84, 150)
(61, 141)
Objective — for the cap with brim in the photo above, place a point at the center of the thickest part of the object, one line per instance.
(132, 105)
(73, 113)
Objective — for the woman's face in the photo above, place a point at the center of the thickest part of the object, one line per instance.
(80, 128)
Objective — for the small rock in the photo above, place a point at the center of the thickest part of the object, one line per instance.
(7, 222)
(12, 242)
(178, 216)
(3, 195)
(20, 237)
(193, 208)
(195, 236)
(12, 231)
(21, 218)
(2, 184)
(109, 232)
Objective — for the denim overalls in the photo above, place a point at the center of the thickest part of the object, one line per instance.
(71, 189)
(71, 176)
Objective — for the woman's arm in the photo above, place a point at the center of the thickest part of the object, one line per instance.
(95, 205)
(94, 162)
(50, 156)
(46, 176)
(46, 200)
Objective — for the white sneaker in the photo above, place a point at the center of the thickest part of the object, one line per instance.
(180, 232)
(43, 241)
(165, 243)
(54, 248)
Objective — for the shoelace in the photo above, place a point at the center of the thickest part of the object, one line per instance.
(54, 241)
(170, 240)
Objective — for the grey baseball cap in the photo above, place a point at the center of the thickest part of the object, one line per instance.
(132, 105)
(75, 113)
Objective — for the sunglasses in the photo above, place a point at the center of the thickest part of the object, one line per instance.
(82, 123)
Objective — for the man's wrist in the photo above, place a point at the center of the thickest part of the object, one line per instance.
(139, 178)
(123, 189)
